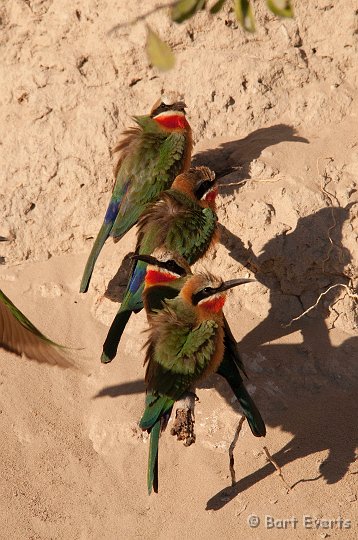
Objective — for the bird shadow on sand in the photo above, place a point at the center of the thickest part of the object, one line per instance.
(314, 398)
(238, 155)
(310, 386)
(117, 285)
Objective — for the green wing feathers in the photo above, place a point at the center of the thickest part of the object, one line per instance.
(229, 369)
(20, 336)
(153, 167)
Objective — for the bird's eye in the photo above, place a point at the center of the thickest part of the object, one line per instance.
(174, 267)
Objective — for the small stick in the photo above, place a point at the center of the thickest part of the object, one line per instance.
(142, 17)
(231, 450)
(350, 294)
(277, 467)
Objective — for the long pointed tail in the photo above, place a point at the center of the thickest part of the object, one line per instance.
(254, 418)
(93, 256)
(152, 474)
(114, 335)
(156, 408)
(229, 370)
(132, 302)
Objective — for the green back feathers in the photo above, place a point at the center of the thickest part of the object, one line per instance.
(179, 349)
(178, 223)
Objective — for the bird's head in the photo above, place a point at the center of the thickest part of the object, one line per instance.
(163, 266)
(207, 293)
(169, 112)
(199, 183)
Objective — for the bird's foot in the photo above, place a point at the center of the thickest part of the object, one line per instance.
(183, 426)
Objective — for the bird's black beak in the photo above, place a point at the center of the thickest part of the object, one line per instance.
(233, 283)
(210, 291)
(3, 239)
(179, 106)
(148, 259)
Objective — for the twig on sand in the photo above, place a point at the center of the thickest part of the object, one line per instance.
(277, 467)
(350, 293)
(231, 450)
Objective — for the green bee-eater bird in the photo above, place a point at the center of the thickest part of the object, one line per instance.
(183, 221)
(189, 340)
(152, 154)
(20, 336)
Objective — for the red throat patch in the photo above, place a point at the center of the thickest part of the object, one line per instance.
(214, 305)
(173, 121)
(211, 196)
(153, 277)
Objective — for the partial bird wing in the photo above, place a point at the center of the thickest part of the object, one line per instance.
(20, 336)
(231, 347)
(229, 369)
(121, 187)
(158, 159)
(156, 295)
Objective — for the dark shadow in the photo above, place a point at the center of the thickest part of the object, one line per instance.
(315, 383)
(314, 401)
(296, 268)
(237, 155)
(123, 389)
(117, 285)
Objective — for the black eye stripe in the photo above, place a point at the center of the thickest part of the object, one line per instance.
(162, 108)
(172, 266)
(200, 295)
(203, 188)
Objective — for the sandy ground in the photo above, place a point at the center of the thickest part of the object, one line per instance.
(275, 114)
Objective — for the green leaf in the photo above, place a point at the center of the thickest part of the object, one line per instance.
(282, 8)
(184, 9)
(159, 53)
(217, 6)
(244, 14)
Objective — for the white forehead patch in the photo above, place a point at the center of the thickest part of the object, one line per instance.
(167, 100)
(171, 97)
